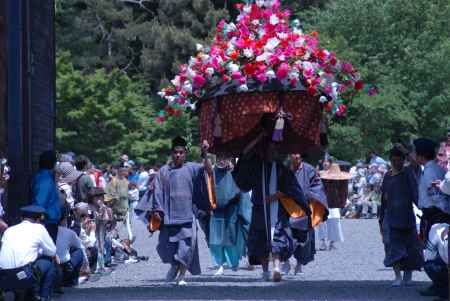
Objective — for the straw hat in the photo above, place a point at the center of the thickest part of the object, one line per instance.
(335, 173)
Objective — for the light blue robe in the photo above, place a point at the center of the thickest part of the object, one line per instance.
(230, 221)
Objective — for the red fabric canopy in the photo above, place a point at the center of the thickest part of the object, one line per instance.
(240, 118)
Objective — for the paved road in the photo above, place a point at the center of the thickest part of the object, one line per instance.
(353, 272)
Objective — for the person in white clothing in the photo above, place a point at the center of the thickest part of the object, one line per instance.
(436, 261)
(27, 247)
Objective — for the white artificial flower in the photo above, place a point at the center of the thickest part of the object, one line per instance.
(232, 27)
(274, 20)
(199, 47)
(248, 52)
(270, 74)
(282, 57)
(297, 31)
(263, 57)
(162, 93)
(176, 81)
(192, 61)
(268, 3)
(187, 86)
(242, 88)
(170, 100)
(296, 23)
(293, 74)
(209, 71)
(190, 73)
(271, 44)
(261, 33)
(323, 99)
(247, 8)
(233, 67)
(260, 3)
(282, 35)
(307, 65)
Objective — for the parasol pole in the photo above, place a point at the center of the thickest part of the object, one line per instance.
(268, 234)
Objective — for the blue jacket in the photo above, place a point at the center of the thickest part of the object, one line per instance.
(45, 194)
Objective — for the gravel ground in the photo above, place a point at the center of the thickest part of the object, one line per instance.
(354, 271)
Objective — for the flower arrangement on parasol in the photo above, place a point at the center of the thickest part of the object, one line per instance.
(262, 64)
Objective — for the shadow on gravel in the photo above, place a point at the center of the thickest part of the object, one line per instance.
(229, 290)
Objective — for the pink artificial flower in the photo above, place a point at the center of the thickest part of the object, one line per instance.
(226, 78)
(199, 81)
(262, 78)
(242, 80)
(236, 75)
(282, 71)
(293, 81)
(347, 67)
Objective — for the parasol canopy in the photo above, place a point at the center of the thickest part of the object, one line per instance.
(262, 65)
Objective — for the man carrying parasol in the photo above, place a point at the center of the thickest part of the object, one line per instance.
(272, 231)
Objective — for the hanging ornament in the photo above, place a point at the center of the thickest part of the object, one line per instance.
(281, 117)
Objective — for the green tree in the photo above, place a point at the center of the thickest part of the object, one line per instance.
(105, 114)
(403, 47)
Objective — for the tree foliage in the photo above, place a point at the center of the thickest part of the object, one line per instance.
(403, 46)
(104, 114)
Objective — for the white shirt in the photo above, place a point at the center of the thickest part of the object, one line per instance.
(23, 243)
(88, 240)
(66, 240)
(436, 244)
(445, 184)
(143, 181)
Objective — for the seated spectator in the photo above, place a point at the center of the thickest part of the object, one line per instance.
(436, 261)
(28, 247)
(88, 239)
(70, 252)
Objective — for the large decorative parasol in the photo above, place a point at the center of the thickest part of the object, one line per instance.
(262, 74)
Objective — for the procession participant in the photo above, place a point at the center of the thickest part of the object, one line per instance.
(433, 203)
(336, 190)
(172, 206)
(270, 230)
(397, 220)
(25, 247)
(229, 220)
(45, 193)
(312, 187)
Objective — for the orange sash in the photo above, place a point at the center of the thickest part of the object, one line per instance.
(294, 210)
(211, 191)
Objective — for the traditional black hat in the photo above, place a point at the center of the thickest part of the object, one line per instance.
(32, 211)
(178, 141)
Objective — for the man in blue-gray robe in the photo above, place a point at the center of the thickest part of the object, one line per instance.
(172, 204)
(271, 231)
(309, 180)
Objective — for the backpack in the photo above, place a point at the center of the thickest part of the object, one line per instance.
(76, 190)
